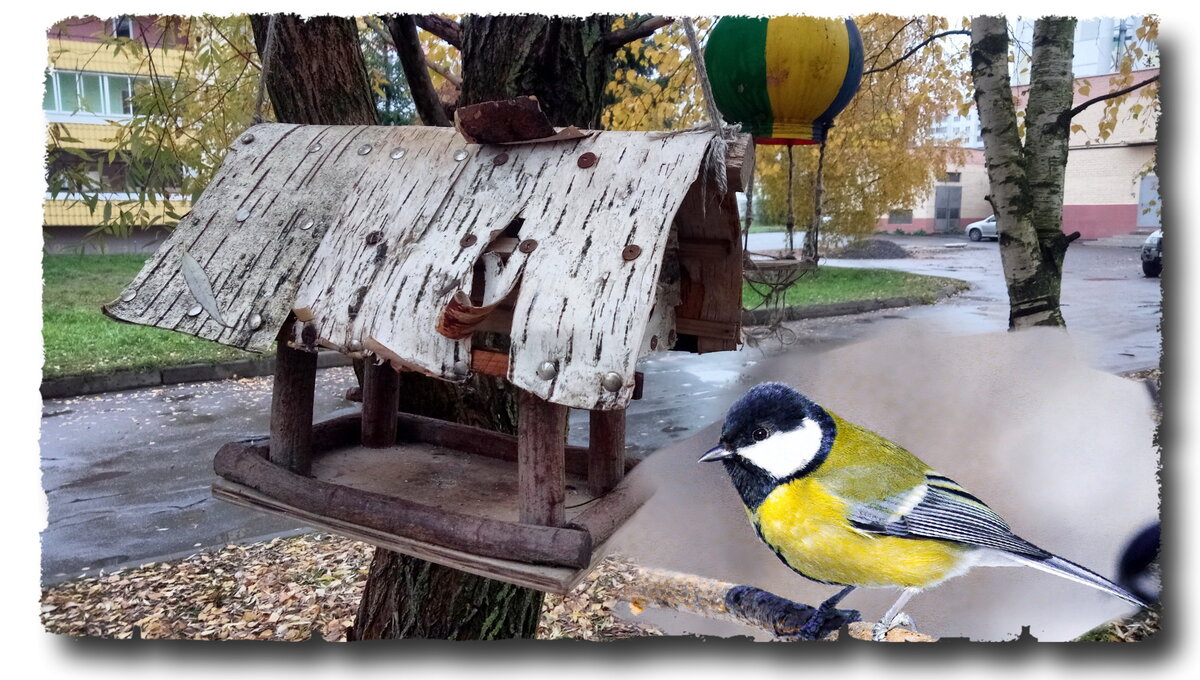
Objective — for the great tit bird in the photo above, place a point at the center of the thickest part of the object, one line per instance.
(841, 505)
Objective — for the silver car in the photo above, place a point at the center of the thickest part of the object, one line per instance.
(977, 231)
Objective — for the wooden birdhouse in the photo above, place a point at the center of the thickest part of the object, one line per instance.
(399, 245)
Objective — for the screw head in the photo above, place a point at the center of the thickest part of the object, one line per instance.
(195, 310)
(247, 138)
(528, 246)
(547, 370)
(396, 154)
(653, 342)
(461, 369)
(460, 155)
(500, 159)
(242, 215)
(315, 147)
(612, 382)
(587, 160)
(354, 346)
(374, 237)
(256, 322)
(307, 225)
(468, 241)
(195, 219)
(630, 252)
(129, 296)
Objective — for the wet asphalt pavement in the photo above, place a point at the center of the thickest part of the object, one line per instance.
(128, 474)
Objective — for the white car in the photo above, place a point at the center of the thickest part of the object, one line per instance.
(977, 231)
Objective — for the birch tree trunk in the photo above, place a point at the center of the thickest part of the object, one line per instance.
(1026, 180)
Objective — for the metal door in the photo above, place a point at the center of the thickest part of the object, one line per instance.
(947, 203)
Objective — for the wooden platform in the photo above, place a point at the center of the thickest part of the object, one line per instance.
(445, 493)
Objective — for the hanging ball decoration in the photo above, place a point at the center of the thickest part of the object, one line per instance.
(784, 78)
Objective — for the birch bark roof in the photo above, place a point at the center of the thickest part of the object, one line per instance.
(367, 232)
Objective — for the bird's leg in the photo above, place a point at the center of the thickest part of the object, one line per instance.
(813, 627)
(894, 617)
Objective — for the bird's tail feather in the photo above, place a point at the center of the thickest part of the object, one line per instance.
(1068, 569)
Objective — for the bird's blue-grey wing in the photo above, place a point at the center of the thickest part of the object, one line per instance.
(941, 509)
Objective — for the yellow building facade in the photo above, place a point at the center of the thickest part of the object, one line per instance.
(93, 68)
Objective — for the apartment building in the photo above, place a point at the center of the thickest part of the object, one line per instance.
(91, 74)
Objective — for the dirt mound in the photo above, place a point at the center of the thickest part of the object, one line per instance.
(870, 249)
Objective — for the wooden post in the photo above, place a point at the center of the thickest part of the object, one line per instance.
(541, 456)
(606, 450)
(292, 406)
(381, 405)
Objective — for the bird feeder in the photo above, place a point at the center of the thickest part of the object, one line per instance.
(784, 78)
(398, 245)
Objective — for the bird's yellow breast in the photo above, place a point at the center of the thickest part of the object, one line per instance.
(808, 527)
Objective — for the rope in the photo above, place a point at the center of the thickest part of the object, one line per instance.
(715, 160)
(268, 48)
(811, 239)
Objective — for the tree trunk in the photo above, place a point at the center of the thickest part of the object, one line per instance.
(1026, 181)
(563, 61)
(315, 73)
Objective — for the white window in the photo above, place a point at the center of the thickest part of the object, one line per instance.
(101, 94)
(122, 27)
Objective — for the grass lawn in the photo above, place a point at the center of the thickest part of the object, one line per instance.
(769, 228)
(846, 284)
(79, 339)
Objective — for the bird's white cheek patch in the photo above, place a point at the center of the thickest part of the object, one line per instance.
(783, 453)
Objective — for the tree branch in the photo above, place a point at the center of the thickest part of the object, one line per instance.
(1068, 115)
(888, 44)
(403, 28)
(443, 72)
(914, 50)
(443, 27)
(627, 35)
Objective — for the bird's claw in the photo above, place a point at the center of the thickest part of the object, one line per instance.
(881, 629)
(823, 622)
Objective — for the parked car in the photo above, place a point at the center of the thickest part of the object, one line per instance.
(977, 231)
(1152, 254)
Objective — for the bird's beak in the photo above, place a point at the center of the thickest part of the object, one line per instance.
(717, 452)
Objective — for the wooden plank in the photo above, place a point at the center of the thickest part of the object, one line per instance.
(604, 516)
(606, 450)
(739, 162)
(495, 122)
(549, 579)
(525, 542)
(292, 394)
(712, 329)
(380, 404)
(541, 464)
(489, 363)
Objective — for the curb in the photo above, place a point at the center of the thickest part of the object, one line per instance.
(760, 317)
(78, 385)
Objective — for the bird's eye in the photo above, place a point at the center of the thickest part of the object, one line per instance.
(759, 434)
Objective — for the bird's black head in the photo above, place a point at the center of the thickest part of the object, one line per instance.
(771, 435)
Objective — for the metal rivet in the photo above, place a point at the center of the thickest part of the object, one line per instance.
(468, 241)
(631, 252)
(527, 246)
(396, 154)
(195, 219)
(315, 147)
(242, 215)
(612, 382)
(547, 370)
(653, 342)
(461, 369)
(354, 346)
(195, 310)
(307, 225)
(247, 138)
(374, 237)
(256, 321)
(587, 160)
(500, 159)
(364, 149)
(129, 296)
(460, 155)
